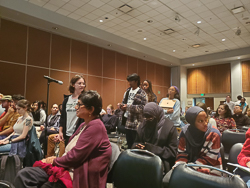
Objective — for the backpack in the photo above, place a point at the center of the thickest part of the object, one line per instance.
(9, 167)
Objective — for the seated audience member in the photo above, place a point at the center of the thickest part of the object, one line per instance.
(15, 142)
(199, 142)
(173, 113)
(240, 119)
(1, 108)
(204, 107)
(118, 111)
(248, 113)
(52, 123)
(243, 105)
(244, 159)
(53, 140)
(238, 100)
(110, 120)
(87, 155)
(10, 115)
(223, 118)
(147, 87)
(157, 134)
(182, 117)
(39, 116)
(230, 103)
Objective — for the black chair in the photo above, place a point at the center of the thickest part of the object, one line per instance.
(138, 169)
(185, 177)
(234, 152)
(115, 154)
(229, 138)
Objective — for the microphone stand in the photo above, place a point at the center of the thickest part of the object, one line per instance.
(45, 127)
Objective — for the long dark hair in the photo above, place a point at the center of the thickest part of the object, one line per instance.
(228, 113)
(151, 95)
(73, 81)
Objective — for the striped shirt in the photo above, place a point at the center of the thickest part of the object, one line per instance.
(209, 154)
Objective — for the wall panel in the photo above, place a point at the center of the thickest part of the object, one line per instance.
(245, 66)
(61, 58)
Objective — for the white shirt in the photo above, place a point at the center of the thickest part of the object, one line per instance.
(131, 97)
(71, 115)
(231, 105)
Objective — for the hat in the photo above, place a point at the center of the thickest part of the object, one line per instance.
(6, 97)
(177, 89)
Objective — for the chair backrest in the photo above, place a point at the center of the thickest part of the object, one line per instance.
(233, 154)
(186, 177)
(229, 138)
(138, 169)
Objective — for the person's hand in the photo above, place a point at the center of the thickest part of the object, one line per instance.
(170, 111)
(10, 110)
(248, 164)
(41, 127)
(50, 159)
(5, 142)
(60, 136)
(1, 142)
(124, 107)
(140, 146)
(52, 129)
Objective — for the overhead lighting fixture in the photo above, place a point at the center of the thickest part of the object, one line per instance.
(169, 31)
(100, 20)
(196, 45)
(237, 10)
(173, 50)
(238, 58)
(198, 22)
(192, 64)
(197, 32)
(223, 40)
(145, 39)
(55, 28)
(238, 31)
(125, 8)
(109, 45)
(177, 17)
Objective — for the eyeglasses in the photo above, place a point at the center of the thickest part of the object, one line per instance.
(148, 118)
(78, 105)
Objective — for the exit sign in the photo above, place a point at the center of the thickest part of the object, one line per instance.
(159, 92)
(203, 94)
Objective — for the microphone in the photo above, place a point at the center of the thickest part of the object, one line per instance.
(53, 80)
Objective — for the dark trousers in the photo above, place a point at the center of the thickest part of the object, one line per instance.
(35, 177)
(49, 132)
(130, 137)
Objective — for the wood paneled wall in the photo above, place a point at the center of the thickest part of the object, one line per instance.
(209, 79)
(27, 54)
(245, 76)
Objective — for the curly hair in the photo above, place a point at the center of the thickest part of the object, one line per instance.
(228, 113)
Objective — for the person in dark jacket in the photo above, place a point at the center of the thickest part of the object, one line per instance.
(110, 120)
(68, 117)
(158, 135)
(239, 118)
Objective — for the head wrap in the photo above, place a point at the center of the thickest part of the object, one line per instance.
(177, 89)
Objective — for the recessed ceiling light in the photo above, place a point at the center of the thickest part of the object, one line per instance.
(198, 22)
(238, 9)
(238, 58)
(55, 28)
(173, 50)
(140, 30)
(145, 39)
(150, 21)
(196, 45)
(144, 56)
(101, 20)
(192, 64)
(223, 39)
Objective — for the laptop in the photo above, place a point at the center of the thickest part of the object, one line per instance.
(166, 104)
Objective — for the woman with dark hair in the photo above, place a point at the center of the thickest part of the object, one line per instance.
(86, 158)
(223, 118)
(68, 118)
(204, 107)
(110, 120)
(147, 87)
(15, 142)
(39, 116)
(173, 113)
(158, 135)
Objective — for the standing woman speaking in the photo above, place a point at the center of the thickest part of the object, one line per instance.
(68, 117)
(173, 113)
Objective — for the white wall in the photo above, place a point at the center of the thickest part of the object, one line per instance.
(236, 79)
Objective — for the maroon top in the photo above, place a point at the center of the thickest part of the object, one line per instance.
(90, 157)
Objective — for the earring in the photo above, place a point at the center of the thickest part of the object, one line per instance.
(89, 115)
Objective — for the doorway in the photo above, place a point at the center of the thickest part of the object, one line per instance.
(209, 101)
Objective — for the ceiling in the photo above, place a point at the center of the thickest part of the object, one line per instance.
(140, 32)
